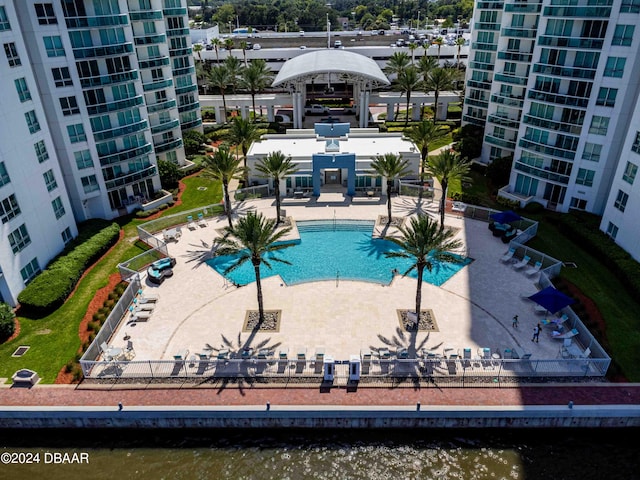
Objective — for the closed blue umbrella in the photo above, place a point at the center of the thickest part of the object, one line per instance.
(551, 299)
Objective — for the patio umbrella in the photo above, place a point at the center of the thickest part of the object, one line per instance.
(551, 299)
(505, 217)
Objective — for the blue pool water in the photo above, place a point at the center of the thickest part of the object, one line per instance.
(329, 250)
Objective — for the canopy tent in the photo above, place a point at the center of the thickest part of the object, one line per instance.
(552, 299)
(505, 217)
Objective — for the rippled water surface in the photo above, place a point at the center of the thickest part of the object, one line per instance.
(362, 454)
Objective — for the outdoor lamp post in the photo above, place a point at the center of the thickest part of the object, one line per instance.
(328, 32)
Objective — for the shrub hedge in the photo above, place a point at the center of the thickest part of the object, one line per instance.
(50, 289)
(7, 322)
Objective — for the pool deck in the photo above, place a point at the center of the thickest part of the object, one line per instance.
(473, 309)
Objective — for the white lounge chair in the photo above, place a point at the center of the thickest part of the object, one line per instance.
(149, 298)
(561, 336)
(522, 263)
(201, 221)
(146, 307)
(191, 225)
(530, 272)
(508, 256)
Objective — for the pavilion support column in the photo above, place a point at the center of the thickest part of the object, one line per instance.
(415, 111)
(367, 99)
(390, 110)
(221, 115)
(362, 109)
(297, 110)
(245, 112)
(270, 113)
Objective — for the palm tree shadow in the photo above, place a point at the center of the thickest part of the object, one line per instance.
(416, 206)
(201, 254)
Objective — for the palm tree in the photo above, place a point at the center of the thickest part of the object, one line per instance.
(276, 165)
(439, 42)
(426, 244)
(391, 166)
(412, 48)
(422, 135)
(252, 239)
(234, 67)
(223, 166)
(216, 42)
(408, 81)
(448, 166)
(219, 76)
(243, 133)
(438, 80)
(425, 66)
(396, 64)
(228, 46)
(255, 78)
(198, 48)
(459, 43)
(243, 47)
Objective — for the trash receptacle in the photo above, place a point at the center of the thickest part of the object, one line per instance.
(354, 368)
(329, 368)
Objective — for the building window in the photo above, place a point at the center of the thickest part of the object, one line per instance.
(44, 12)
(615, 67)
(41, 151)
(585, 177)
(76, 133)
(66, 235)
(623, 35)
(19, 239)
(69, 106)
(12, 54)
(629, 174)
(62, 77)
(83, 159)
(578, 203)
(621, 200)
(612, 230)
(32, 121)
(58, 208)
(23, 90)
(607, 97)
(53, 46)
(592, 152)
(90, 184)
(4, 175)
(4, 20)
(30, 271)
(599, 125)
(50, 180)
(9, 208)
(630, 6)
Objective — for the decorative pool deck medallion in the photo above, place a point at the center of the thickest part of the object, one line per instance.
(395, 221)
(427, 322)
(271, 321)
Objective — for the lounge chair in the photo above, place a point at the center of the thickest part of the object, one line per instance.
(508, 256)
(522, 263)
(201, 221)
(146, 307)
(191, 225)
(530, 272)
(149, 298)
(571, 333)
(509, 235)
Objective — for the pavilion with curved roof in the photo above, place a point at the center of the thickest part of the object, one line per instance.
(363, 72)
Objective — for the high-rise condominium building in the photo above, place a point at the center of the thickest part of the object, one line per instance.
(554, 83)
(95, 93)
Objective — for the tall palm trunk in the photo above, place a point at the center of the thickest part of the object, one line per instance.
(389, 185)
(406, 118)
(253, 106)
(443, 202)
(276, 186)
(420, 268)
(256, 268)
(227, 202)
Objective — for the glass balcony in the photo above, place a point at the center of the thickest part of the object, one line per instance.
(479, 121)
(586, 12)
(503, 122)
(571, 42)
(189, 106)
(111, 79)
(180, 52)
(168, 145)
(150, 39)
(488, 47)
(541, 173)
(486, 85)
(552, 151)
(174, 11)
(129, 178)
(558, 99)
(500, 142)
(552, 125)
(489, 5)
(154, 62)
(186, 89)
(192, 124)
(163, 127)
(508, 101)
(148, 87)
(177, 32)
(184, 71)
(515, 56)
(139, 15)
(481, 66)
(115, 106)
(97, 22)
(476, 103)
(570, 72)
(512, 79)
(519, 7)
(520, 32)
(120, 131)
(126, 155)
(486, 26)
(104, 51)
(156, 107)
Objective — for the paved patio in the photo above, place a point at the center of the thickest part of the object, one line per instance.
(473, 309)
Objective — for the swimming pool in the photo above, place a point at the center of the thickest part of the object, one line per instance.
(330, 250)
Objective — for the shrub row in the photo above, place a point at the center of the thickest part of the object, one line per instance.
(7, 322)
(50, 289)
(148, 213)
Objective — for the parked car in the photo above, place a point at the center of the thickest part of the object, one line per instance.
(257, 46)
(283, 119)
(337, 44)
(316, 110)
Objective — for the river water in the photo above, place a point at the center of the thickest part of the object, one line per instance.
(320, 454)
